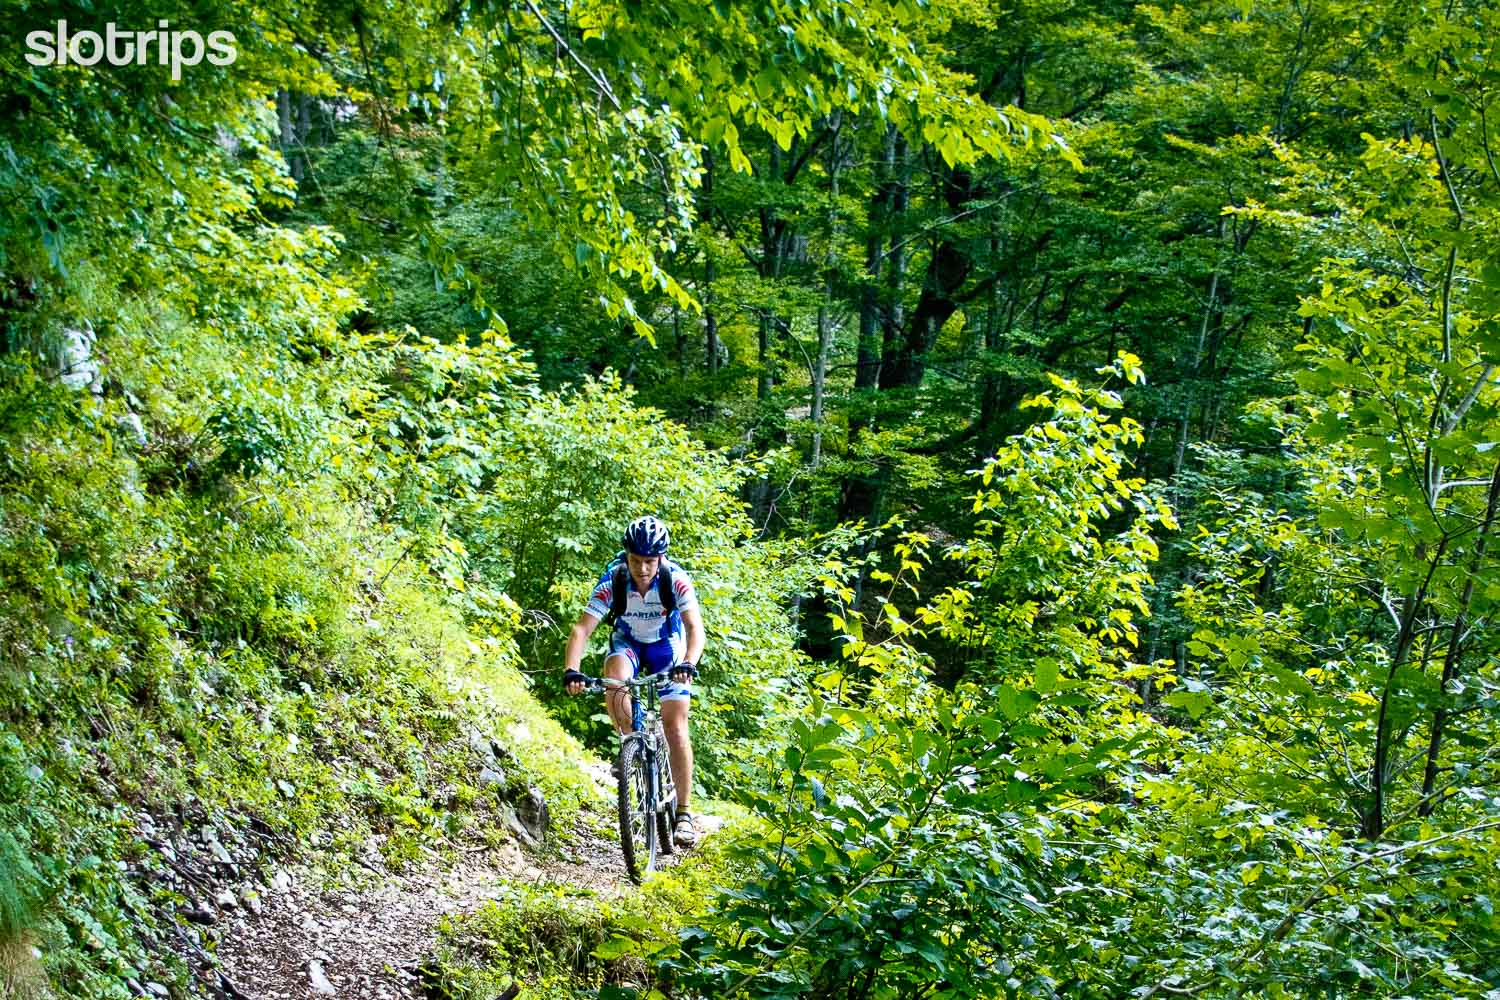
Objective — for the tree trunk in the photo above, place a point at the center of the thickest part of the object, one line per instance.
(1210, 309)
(825, 308)
(893, 316)
(710, 318)
(820, 367)
(1372, 824)
(880, 310)
(763, 354)
(710, 272)
(286, 129)
(679, 347)
(1453, 656)
(905, 364)
(867, 367)
(989, 346)
(304, 135)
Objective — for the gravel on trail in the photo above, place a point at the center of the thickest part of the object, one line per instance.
(367, 942)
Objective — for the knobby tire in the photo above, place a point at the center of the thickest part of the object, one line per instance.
(637, 831)
(666, 797)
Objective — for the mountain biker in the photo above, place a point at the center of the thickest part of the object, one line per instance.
(647, 635)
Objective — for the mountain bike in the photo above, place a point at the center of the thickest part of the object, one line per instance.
(648, 798)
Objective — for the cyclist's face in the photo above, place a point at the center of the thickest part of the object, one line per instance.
(642, 569)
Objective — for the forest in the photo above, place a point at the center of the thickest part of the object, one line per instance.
(1079, 420)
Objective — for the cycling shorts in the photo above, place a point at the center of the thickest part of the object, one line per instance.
(653, 657)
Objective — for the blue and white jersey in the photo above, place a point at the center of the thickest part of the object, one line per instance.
(644, 619)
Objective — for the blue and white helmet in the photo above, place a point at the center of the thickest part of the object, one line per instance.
(646, 536)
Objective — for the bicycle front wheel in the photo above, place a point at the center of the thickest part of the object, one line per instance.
(637, 819)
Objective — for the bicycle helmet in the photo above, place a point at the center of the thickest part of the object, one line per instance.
(646, 536)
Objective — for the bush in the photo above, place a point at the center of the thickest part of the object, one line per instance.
(217, 651)
(564, 942)
(578, 466)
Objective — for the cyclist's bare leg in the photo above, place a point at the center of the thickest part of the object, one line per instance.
(674, 719)
(617, 701)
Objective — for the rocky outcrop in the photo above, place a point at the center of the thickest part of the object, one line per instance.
(523, 807)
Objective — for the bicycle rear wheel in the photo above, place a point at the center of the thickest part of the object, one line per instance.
(637, 826)
(666, 797)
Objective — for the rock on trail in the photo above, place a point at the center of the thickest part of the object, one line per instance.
(369, 942)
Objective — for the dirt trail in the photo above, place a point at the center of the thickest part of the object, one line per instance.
(367, 943)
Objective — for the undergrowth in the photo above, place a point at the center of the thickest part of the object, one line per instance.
(226, 652)
(559, 942)
(259, 585)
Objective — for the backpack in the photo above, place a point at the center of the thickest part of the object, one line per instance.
(619, 581)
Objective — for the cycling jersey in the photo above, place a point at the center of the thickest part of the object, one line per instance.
(644, 620)
(646, 634)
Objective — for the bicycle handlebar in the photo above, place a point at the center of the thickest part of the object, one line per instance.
(597, 685)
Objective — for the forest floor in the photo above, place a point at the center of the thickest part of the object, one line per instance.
(372, 941)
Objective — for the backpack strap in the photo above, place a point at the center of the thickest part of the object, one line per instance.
(619, 581)
(664, 588)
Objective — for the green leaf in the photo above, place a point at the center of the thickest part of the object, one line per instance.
(617, 947)
(1046, 674)
(1195, 703)
(1015, 703)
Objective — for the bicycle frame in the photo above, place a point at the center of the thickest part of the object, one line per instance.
(657, 806)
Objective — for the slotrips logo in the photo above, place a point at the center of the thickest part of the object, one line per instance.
(119, 47)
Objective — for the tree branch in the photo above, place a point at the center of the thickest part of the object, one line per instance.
(597, 78)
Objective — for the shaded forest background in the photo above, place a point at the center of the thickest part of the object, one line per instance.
(1079, 417)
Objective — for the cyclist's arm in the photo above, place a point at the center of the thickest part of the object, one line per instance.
(578, 641)
(692, 623)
